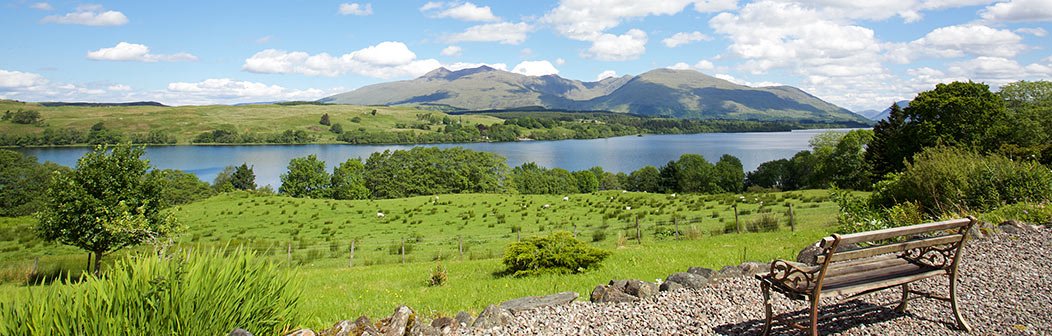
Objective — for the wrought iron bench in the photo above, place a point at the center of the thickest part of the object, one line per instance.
(886, 261)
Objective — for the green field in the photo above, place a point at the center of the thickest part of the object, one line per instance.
(319, 233)
(186, 122)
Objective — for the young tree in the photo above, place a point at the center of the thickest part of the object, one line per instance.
(224, 181)
(881, 156)
(729, 173)
(586, 181)
(644, 179)
(324, 119)
(108, 202)
(306, 178)
(23, 183)
(348, 182)
(336, 128)
(243, 178)
(696, 175)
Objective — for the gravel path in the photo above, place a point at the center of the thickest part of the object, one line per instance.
(1004, 290)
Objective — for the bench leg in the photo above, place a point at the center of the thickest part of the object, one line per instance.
(905, 298)
(766, 288)
(961, 323)
(814, 315)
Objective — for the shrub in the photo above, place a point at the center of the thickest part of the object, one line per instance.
(558, 253)
(1029, 212)
(438, 276)
(598, 236)
(766, 223)
(206, 294)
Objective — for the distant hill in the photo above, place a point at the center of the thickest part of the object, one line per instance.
(660, 92)
(887, 112)
(142, 103)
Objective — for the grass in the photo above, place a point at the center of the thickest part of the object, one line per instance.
(320, 233)
(186, 122)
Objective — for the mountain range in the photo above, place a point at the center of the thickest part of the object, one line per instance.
(659, 92)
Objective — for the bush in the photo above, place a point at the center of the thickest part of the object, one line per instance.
(207, 294)
(1028, 212)
(766, 223)
(438, 276)
(558, 253)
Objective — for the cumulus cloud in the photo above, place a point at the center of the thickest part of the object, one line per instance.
(132, 52)
(384, 60)
(461, 11)
(959, 41)
(605, 74)
(702, 65)
(682, 38)
(42, 6)
(17, 79)
(462, 65)
(119, 87)
(535, 68)
(908, 10)
(610, 47)
(89, 16)
(997, 70)
(586, 20)
(1039, 32)
(1019, 10)
(503, 32)
(451, 51)
(356, 9)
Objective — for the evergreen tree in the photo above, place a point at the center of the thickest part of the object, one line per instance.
(324, 119)
(244, 178)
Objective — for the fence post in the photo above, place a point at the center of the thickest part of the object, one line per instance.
(460, 246)
(675, 221)
(35, 264)
(352, 254)
(89, 262)
(736, 225)
(289, 257)
(403, 250)
(639, 237)
(792, 219)
(575, 231)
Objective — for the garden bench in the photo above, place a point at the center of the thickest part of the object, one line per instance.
(888, 258)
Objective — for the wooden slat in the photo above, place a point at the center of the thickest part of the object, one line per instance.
(892, 282)
(891, 248)
(896, 232)
(871, 275)
(835, 271)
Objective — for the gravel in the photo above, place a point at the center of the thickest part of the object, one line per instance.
(1004, 289)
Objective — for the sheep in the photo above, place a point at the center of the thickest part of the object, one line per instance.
(567, 198)
(546, 206)
(379, 215)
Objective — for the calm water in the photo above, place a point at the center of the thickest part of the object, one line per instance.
(621, 154)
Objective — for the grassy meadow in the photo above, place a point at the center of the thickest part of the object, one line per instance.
(186, 122)
(319, 234)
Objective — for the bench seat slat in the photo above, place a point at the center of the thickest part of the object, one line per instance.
(896, 232)
(885, 283)
(884, 262)
(892, 248)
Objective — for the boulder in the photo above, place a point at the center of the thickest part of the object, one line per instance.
(688, 280)
(342, 328)
(1012, 226)
(705, 272)
(670, 286)
(619, 284)
(240, 332)
(809, 255)
(421, 329)
(464, 319)
(606, 293)
(750, 268)
(365, 326)
(533, 302)
(443, 322)
(641, 289)
(398, 321)
(729, 272)
(491, 317)
(302, 332)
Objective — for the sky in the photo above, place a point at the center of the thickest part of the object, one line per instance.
(859, 55)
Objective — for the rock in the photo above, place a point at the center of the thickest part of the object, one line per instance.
(641, 289)
(688, 280)
(240, 332)
(492, 316)
(443, 322)
(809, 255)
(705, 272)
(670, 286)
(750, 268)
(399, 320)
(464, 319)
(420, 329)
(342, 328)
(619, 284)
(302, 332)
(606, 293)
(730, 272)
(532, 302)
(976, 232)
(365, 326)
(1012, 226)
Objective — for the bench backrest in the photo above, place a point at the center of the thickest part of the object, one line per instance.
(944, 233)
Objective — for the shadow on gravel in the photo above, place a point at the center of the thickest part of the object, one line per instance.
(825, 326)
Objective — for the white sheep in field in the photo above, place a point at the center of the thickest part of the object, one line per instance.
(566, 198)
(379, 215)
(547, 205)
(673, 195)
(628, 208)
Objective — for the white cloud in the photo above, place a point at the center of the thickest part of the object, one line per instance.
(265, 39)
(560, 61)
(462, 65)
(702, 65)
(89, 16)
(535, 68)
(503, 32)
(451, 51)
(610, 47)
(606, 74)
(20, 80)
(132, 52)
(682, 38)
(384, 60)
(997, 70)
(42, 6)
(356, 9)
(1019, 10)
(680, 66)
(959, 41)
(908, 10)
(1039, 32)
(226, 91)
(119, 87)
(463, 11)
(586, 20)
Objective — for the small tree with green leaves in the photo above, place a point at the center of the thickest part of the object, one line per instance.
(324, 119)
(336, 128)
(243, 178)
(559, 253)
(110, 201)
(306, 178)
(348, 181)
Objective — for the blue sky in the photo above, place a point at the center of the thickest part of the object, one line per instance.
(856, 54)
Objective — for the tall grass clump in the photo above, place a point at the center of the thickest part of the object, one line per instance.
(558, 253)
(204, 294)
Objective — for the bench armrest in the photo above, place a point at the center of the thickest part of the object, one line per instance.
(792, 275)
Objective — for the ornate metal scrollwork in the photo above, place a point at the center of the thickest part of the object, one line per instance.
(934, 256)
(792, 277)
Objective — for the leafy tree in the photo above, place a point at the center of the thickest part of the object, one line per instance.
(108, 202)
(729, 173)
(182, 187)
(25, 117)
(1029, 120)
(881, 156)
(100, 135)
(243, 178)
(224, 180)
(306, 177)
(586, 181)
(668, 178)
(770, 174)
(846, 165)
(324, 119)
(23, 183)
(696, 175)
(431, 170)
(647, 179)
(348, 182)
(336, 128)
(801, 171)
